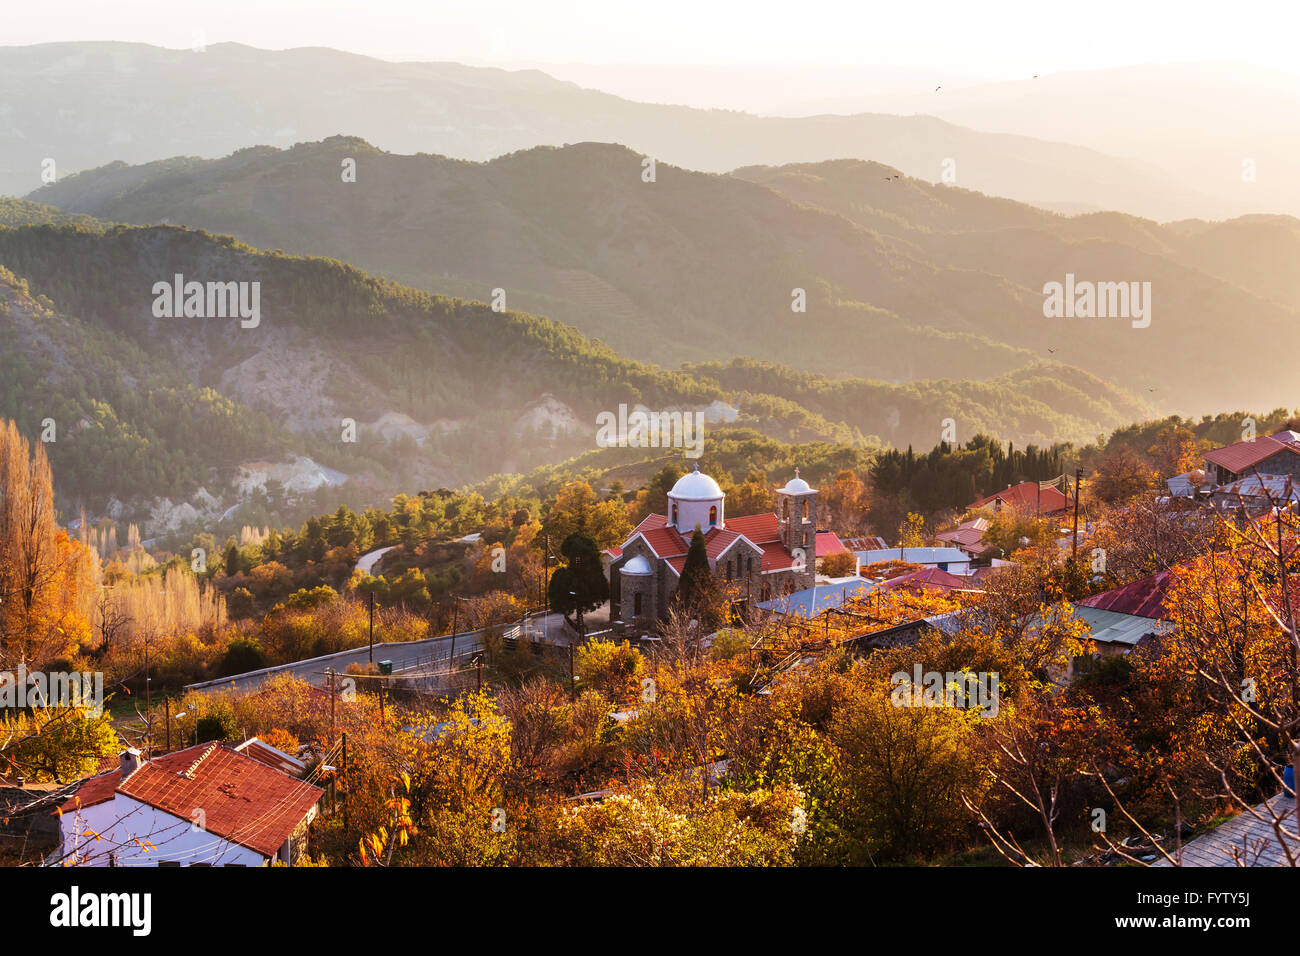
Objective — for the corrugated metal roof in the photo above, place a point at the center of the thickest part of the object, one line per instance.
(813, 601)
(1116, 627)
(915, 555)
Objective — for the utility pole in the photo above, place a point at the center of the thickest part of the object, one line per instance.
(372, 627)
(148, 698)
(345, 783)
(573, 687)
(1078, 484)
(333, 695)
(167, 706)
(451, 659)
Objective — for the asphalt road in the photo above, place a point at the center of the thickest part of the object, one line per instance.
(407, 655)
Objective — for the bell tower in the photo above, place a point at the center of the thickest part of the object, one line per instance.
(796, 517)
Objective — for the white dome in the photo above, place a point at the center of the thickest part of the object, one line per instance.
(696, 486)
(796, 486)
(637, 564)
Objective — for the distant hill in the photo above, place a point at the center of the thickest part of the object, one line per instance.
(905, 280)
(1257, 252)
(79, 104)
(1228, 129)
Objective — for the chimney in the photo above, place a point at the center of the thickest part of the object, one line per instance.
(130, 761)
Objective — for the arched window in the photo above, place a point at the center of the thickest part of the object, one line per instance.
(636, 605)
(713, 514)
(785, 509)
(674, 512)
(805, 509)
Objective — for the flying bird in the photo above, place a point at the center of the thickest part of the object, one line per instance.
(1050, 351)
(938, 88)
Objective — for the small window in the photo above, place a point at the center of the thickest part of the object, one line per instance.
(636, 604)
(713, 515)
(674, 512)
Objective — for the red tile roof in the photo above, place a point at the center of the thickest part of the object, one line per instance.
(243, 801)
(968, 534)
(665, 541)
(718, 540)
(1246, 454)
(651, 521)
(1025, 496)
(98, 789)
(776, 557)
(1144, 597)
(760, 529)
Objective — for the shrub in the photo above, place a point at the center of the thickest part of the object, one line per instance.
(243, 654)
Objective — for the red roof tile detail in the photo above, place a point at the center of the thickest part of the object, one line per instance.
(98, 789)
(665, 541)
(776, 557)
(759, 529)
(717, 541)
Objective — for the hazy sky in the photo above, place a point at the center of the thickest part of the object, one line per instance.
(993, 38)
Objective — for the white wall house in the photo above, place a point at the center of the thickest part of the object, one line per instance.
(208, 805)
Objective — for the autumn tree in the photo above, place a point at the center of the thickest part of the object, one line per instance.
(911, 533)
(1176, 450)
(578, 510)
(44, 574)
(846, 503)
(1120, 475)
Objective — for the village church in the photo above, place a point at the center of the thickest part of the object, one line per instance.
(759, 556)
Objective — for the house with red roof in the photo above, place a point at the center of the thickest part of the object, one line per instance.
(969, 537)
(1276, 454)
(1145, 597)
(1028, 497)
(208, 805)
(928, 579)
(756, 556)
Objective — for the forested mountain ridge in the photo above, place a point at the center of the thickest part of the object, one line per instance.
(903, 280)
(441, 391)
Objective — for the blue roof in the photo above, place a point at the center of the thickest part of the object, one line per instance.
(915, 555)
(816, 600)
